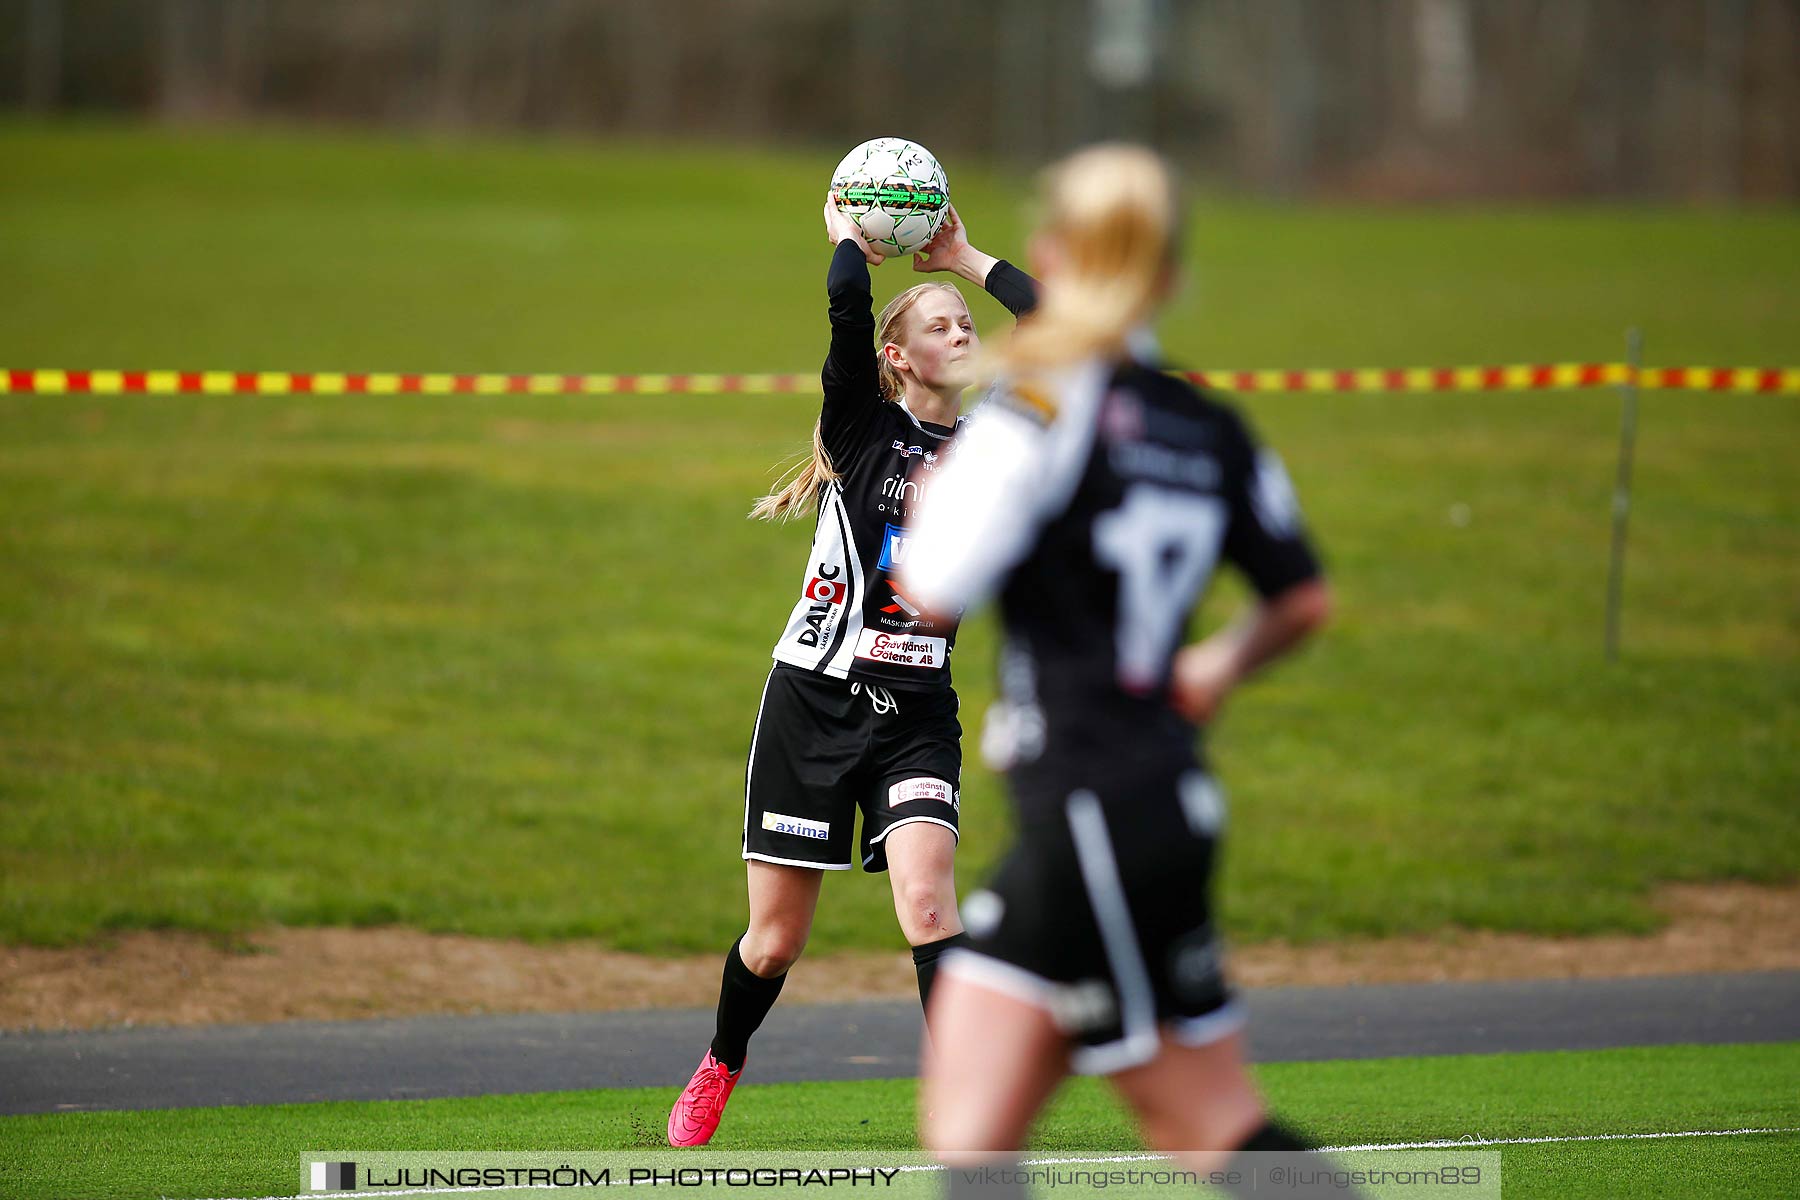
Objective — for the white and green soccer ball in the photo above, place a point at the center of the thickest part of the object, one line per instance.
(896, 193)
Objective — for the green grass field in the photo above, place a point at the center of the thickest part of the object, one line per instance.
(489, 664)
(245, 1152)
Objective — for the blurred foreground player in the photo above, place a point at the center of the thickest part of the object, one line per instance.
(1095, 494)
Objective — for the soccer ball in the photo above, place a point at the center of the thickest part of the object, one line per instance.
(896, 193)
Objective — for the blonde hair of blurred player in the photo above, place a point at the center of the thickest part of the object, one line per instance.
(800, 488)
(1108, 244)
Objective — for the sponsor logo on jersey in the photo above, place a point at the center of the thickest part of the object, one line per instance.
(826, 593)
(775, 822)
(901, 604)
(903, 613)
(923, 788)
(898, 495)
(901, 650)
(894, 541)
(899, 487)
(930, 456)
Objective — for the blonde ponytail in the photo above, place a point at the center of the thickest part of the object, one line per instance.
(800, 487)
(1112, 214)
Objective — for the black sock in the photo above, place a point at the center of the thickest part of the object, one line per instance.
(745, 999)
(1277, 1146)
(1272, 1137)
(925, 960)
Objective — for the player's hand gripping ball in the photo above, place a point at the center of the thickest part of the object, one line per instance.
(895, 192)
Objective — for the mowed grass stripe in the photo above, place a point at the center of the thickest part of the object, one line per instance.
(1453, 1143)
(254, 1151)
(489, 664)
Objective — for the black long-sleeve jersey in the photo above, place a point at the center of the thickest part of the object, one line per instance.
(1099, 506)
(853, 619)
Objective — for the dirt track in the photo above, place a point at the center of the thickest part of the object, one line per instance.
(185, 979)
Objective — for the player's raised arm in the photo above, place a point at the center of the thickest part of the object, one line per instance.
(949, 250)
(849, 375)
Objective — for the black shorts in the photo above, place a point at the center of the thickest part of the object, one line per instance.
(1101, 914)
(824, 748)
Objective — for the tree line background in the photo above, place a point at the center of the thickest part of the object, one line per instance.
(1398, 99)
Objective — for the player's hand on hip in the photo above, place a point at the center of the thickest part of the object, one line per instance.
(839, 228)
(1203, 676)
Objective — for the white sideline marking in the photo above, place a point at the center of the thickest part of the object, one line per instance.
(1438, 1144)
(1447, 1144)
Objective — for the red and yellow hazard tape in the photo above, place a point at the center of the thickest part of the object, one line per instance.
(1529, 378)
(379, 383)
(1543, 377)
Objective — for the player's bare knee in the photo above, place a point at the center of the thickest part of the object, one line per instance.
(771, 952)
(771, 963)
(926, 911)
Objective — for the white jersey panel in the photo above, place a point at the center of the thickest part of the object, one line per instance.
(822, 630)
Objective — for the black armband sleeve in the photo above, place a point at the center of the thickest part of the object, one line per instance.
(1012, 287)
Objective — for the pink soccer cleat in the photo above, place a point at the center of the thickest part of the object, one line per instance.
(695, 1117)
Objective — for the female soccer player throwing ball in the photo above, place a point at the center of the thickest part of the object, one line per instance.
(858, 712)
(1096, 494)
